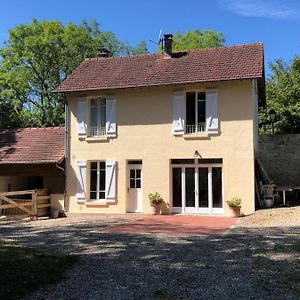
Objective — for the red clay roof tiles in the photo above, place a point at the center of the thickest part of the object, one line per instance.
(204, 65)
(31, 145)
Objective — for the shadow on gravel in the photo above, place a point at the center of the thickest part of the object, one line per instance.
(256, 263)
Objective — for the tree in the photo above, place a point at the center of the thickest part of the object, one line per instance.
(283, 96)
(37, 57)
(197, 39)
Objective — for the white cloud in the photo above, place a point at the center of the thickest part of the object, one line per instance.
(254, 8)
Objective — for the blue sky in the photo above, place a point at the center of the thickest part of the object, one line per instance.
(273, 22)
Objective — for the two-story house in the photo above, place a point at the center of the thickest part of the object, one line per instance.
(182, 124)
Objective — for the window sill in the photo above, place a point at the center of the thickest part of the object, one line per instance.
(197, 136)
(96, 139)
(96, 203)
(100, 202)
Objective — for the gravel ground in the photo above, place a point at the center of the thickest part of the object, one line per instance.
(257, 259)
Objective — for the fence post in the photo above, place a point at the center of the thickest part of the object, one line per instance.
(35, 205)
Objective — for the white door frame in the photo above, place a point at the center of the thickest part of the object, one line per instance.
(135, 194)
(198, 210)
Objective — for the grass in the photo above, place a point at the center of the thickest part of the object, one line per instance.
(25, 269)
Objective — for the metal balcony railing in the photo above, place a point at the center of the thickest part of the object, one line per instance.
(96, 131)
(194, 129)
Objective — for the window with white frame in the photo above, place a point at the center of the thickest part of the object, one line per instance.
(97, 117)
(195, 112)
(97, 180)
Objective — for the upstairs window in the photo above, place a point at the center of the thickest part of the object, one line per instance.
(195, 112)
(97, 117)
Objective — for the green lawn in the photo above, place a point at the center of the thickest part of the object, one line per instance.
(24, 270)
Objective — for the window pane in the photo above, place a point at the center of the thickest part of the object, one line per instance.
(138, 183)
(201, 112)
(203, 187)
(217, 187)
(93, 195)
(190, 187)
(103, 116)
(132, 183)
(138, 173)
(93, 180)
(93, 114)
(132, 174)
(102, 180)
(177, 187)
(93, 166)
(102, 165)
(102, 195)
(201, 96)
(190, 108)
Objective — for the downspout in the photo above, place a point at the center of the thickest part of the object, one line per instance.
(59, 167)
(65, 147)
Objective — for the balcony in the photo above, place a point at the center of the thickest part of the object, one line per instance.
(96, 131)
(195, 129)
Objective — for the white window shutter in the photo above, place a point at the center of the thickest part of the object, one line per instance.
(110, 179)
(81, 117)
(81, 180)
(212, 120)
(178, 113)
(111, 126)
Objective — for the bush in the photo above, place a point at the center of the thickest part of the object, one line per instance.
(234, 202)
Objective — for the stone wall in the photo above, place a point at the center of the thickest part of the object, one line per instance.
(280, 156)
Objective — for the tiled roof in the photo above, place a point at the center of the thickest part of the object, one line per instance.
(31, 145)
(203, 65)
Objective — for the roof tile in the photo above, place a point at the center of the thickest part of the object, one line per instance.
(31, 145)
(202, 65)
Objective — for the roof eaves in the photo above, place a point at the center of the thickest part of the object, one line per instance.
(155, 85)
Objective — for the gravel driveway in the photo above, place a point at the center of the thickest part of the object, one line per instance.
(257, 259)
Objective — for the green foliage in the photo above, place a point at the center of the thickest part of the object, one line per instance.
(36, 58)
(155, 199)
(197, 39)
(234, 202)
(283, 95)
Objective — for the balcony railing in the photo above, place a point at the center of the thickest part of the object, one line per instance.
(194, 129)
(95, 131)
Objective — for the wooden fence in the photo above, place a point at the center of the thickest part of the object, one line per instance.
(34, 203)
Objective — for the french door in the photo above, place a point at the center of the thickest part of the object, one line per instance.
(197, 189)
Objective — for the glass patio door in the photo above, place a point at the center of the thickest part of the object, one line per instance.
(197, 189)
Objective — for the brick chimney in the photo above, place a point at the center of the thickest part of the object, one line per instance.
(168, 41)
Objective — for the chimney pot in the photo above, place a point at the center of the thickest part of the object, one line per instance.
(168, 41)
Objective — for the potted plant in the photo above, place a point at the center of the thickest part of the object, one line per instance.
(235, 206)
(155, 201)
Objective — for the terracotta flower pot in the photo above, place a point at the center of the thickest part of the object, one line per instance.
(155, 209)
(235, 211)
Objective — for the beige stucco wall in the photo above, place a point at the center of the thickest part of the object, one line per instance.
(144, 125)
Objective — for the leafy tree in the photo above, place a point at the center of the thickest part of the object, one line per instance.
(197, 39)
(37, 57)
(283, 96)
(141, 48)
